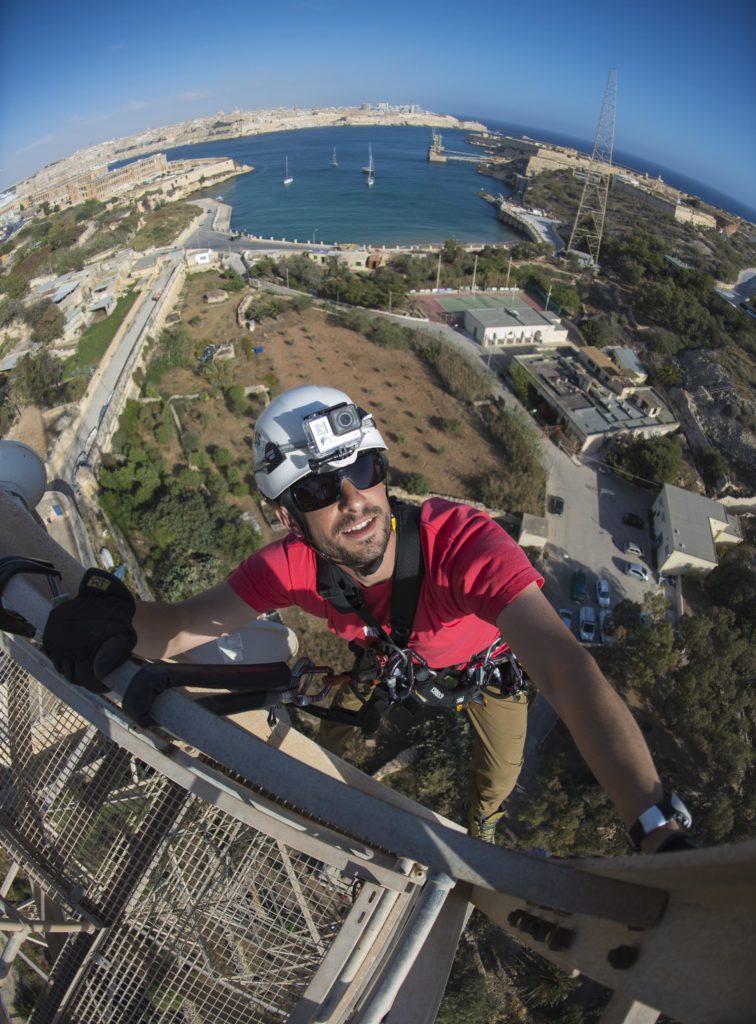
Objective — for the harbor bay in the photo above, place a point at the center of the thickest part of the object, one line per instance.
(412, 201)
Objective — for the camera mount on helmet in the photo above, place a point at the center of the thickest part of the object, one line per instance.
(305, 429)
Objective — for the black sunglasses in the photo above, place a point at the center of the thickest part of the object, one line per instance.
(322, 489)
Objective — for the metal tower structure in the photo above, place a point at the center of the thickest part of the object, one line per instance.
(230, 871)
(589, 221)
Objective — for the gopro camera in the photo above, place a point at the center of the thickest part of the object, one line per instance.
(337, 427)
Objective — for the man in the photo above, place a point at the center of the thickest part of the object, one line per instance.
(321, 461)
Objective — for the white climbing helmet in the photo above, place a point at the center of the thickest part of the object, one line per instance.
(305, 429)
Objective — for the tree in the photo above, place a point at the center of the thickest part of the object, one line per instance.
(9, 310)
(520, 381)
(651, 461)
(713, 466)
(37, 378)
(46, 320)
(597, 331)
(733, 585)
(541, 982)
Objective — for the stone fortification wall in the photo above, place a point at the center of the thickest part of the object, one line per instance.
(556, 160)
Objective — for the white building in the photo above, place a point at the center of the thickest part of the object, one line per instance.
(688, 527)
(518, 324)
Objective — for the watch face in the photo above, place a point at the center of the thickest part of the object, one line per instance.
(681, 812)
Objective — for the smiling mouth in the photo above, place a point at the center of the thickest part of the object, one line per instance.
(358, 528)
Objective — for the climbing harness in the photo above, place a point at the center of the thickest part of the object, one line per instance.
(400, 679)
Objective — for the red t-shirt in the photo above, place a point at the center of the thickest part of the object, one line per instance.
(473, 569)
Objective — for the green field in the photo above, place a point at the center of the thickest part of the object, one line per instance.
(95, 340)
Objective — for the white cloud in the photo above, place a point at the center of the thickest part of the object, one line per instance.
(135, 105)
(43, 141)
(197, 94)
(117, 46)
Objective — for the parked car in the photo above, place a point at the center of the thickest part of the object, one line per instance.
(631, 548)
(566, 616)
(631, 519)
(557, 505)
(579, 588)
(606, 626)
(602, 593)
(640, 572)
(587, 623)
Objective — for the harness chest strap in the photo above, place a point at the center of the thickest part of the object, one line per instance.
(346, 596)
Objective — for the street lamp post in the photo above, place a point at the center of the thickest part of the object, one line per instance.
(314, 233)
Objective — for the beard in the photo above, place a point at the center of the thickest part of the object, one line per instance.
(359, 555)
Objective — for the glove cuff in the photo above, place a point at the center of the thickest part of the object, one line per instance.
(98, 583)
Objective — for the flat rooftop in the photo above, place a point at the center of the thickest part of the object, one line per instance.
(593, 408)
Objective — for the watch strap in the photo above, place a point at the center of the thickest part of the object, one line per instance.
(669, 808)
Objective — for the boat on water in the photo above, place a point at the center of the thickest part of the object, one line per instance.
(334, 161)
(370, 175)
(287, 177)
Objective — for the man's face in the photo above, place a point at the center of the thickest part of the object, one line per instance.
(356, 529)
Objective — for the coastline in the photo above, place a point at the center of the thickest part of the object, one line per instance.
(246, 124)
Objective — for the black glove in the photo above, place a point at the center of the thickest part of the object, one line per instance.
(146, 685)
(90, 635)
(677, 840)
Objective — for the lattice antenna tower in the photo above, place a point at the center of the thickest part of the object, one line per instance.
(589, 222)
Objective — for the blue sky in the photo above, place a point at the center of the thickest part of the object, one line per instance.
(79, 73)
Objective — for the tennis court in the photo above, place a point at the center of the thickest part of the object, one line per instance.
(458, 303)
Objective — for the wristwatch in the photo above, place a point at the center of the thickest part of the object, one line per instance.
(669, 808)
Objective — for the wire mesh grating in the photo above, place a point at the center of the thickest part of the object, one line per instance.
(207, 918)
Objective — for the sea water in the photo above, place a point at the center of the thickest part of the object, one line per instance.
(411, 202)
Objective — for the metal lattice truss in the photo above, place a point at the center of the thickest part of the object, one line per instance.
(209, 871)
(589, 221)
(190, 914)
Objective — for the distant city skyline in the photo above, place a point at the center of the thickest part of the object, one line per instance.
(687, 72)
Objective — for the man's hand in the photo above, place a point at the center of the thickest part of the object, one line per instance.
(90, 635)
(668, 840)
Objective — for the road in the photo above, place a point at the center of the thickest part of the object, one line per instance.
(205, 237)
(743, 289)
(108, 378)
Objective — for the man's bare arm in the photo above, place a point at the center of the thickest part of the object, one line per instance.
(165, 630)
(601, 725)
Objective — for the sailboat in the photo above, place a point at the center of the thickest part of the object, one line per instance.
(334, 162)
(287, 179)
(370, 177)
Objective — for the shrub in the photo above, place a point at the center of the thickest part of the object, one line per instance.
(415, 483)
(237, 400)
(462, 378)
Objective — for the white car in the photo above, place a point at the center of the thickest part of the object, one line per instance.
(602, 593)
(566, 616)
(587, 623)
(640, 572)
(631, 548)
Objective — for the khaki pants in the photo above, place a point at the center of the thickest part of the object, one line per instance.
(500, 726)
